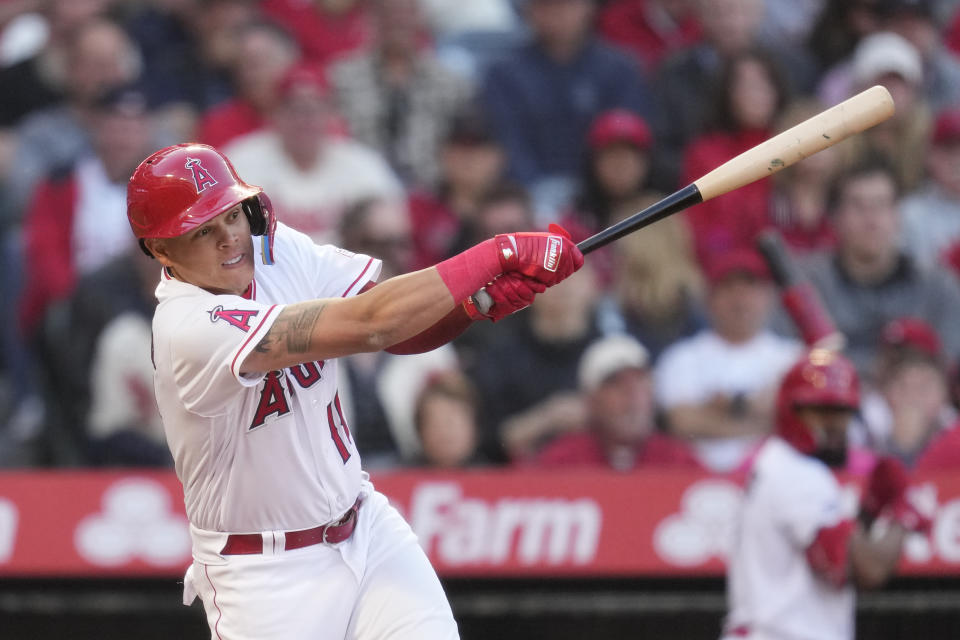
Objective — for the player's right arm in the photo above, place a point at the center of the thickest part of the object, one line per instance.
(404, 306)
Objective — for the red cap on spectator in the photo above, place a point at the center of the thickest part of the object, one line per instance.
(741, 261)
(619, 125)
(915, 333)
(947, 128)
(300, 77)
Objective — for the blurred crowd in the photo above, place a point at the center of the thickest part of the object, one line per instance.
(411, 129)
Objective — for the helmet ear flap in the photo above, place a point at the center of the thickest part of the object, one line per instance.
(259, 212)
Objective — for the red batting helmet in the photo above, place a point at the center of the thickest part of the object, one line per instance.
(181, 187)
(822, 378)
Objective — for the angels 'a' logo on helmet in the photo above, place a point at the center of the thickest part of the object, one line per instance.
(201, 177)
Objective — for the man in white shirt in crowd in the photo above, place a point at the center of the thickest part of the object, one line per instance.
(717, 387)
(312, 173)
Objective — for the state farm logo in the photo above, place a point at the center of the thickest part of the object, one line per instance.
(704, 527)
(136, 523)
(552, 258)
(944, 539)
(528, 531)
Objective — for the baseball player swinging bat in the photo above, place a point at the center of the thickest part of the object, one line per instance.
(833, 125)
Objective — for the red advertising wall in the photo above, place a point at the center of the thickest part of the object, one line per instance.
(482, 523)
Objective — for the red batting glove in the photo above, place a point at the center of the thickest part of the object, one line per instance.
(545, 257)
(886, 486)
(548, 257)
(510, 293)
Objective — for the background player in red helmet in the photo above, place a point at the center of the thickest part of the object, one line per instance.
(290, 539)
(798, 556)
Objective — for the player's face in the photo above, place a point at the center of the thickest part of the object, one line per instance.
(829, 428)
(216, 256)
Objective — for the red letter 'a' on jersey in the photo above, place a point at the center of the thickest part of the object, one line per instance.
(240, 318)
(273, 400)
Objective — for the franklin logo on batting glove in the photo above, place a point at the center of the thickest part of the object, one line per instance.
(552, 256)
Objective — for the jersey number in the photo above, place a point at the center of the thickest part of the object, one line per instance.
(273, 401)
(336, 420)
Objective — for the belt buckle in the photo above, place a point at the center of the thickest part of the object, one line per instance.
(323, 538)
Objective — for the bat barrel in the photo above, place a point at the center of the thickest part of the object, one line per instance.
(676, 201)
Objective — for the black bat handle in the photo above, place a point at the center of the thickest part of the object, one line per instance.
(676, 201)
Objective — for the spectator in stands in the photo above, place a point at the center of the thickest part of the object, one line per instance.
(99, 56)
(791, 21)
(911, 404)
(124, 425)
(471, 164)
(916, 21)
(616, 171)
(717, 387)
(40, 81)
(94, 377)
(326, 30)
(446, 422)
(840, 27)
(798, 198)
(396, 97)
(544, 94)
(313, 176)
(657, 288)
(471, 35)
(534, 397)
(931, 215)
(621, 430)
(730, 27)
(868, 280)
(188, 48)
(651, 30)
(614, 180)
(503, 208)
(76, 220)
(888, 59)
(378, 390)
(264, 52)
(751, 97)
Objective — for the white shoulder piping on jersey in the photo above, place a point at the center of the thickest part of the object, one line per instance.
(352, 284)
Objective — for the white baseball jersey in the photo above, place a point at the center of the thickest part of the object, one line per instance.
(773, 592)
(265, 451)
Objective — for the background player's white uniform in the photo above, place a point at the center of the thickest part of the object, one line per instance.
(773, 592)
(271, 453)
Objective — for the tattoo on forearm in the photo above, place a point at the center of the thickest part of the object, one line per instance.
(294, 330)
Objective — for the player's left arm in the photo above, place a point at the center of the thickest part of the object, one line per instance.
(510, 293)
(852, 549)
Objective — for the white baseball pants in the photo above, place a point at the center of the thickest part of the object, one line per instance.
(378, 585)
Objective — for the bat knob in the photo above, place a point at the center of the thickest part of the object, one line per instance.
(483, 301)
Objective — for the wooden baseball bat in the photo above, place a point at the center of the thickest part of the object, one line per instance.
(827, 128)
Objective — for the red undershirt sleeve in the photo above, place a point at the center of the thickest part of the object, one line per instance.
(828, 554)
(443, 331)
